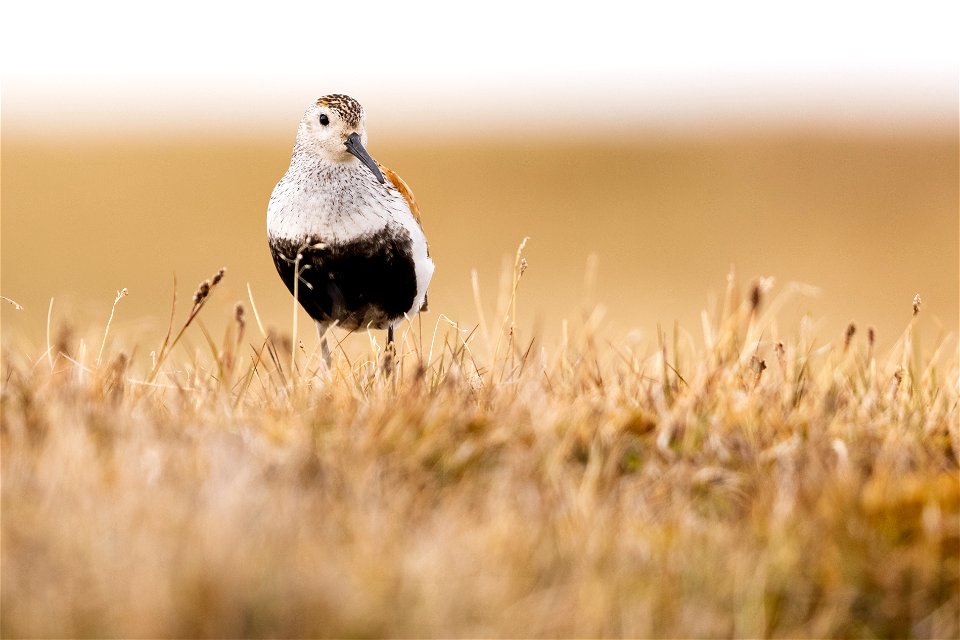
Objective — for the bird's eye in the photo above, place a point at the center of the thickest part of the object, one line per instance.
(324, 120)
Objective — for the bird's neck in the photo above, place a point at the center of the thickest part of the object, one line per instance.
(307, 161)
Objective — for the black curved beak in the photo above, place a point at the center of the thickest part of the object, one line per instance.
(355, 147)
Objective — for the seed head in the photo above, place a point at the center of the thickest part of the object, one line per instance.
(760, 286)
(239, 316)
(851, 329)
(916, 304)
(203, 290)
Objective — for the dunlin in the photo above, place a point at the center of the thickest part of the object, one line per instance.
(344, 230)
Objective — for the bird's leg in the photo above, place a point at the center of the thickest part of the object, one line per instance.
(324, 347)
(389, 353)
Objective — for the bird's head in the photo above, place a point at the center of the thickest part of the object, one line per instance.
(334, 129)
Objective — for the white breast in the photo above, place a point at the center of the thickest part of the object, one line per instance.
(341, 203)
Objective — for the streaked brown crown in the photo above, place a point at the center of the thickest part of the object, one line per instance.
(345, 106)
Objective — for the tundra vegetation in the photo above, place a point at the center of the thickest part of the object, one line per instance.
(731, 481)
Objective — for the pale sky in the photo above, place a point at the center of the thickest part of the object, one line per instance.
(511, 65)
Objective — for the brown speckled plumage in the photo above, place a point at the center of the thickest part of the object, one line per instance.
(345, 106)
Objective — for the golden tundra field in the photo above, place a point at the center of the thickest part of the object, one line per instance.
(703, 400)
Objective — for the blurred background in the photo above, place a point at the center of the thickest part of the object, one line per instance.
(812, 142)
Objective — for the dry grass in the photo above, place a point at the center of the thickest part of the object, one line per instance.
(746, 484)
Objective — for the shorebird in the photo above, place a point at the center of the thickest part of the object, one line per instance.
(344, 230)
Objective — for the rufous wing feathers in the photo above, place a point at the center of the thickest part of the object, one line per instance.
(407, 194)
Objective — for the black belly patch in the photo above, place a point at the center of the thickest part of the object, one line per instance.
(367, 282)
